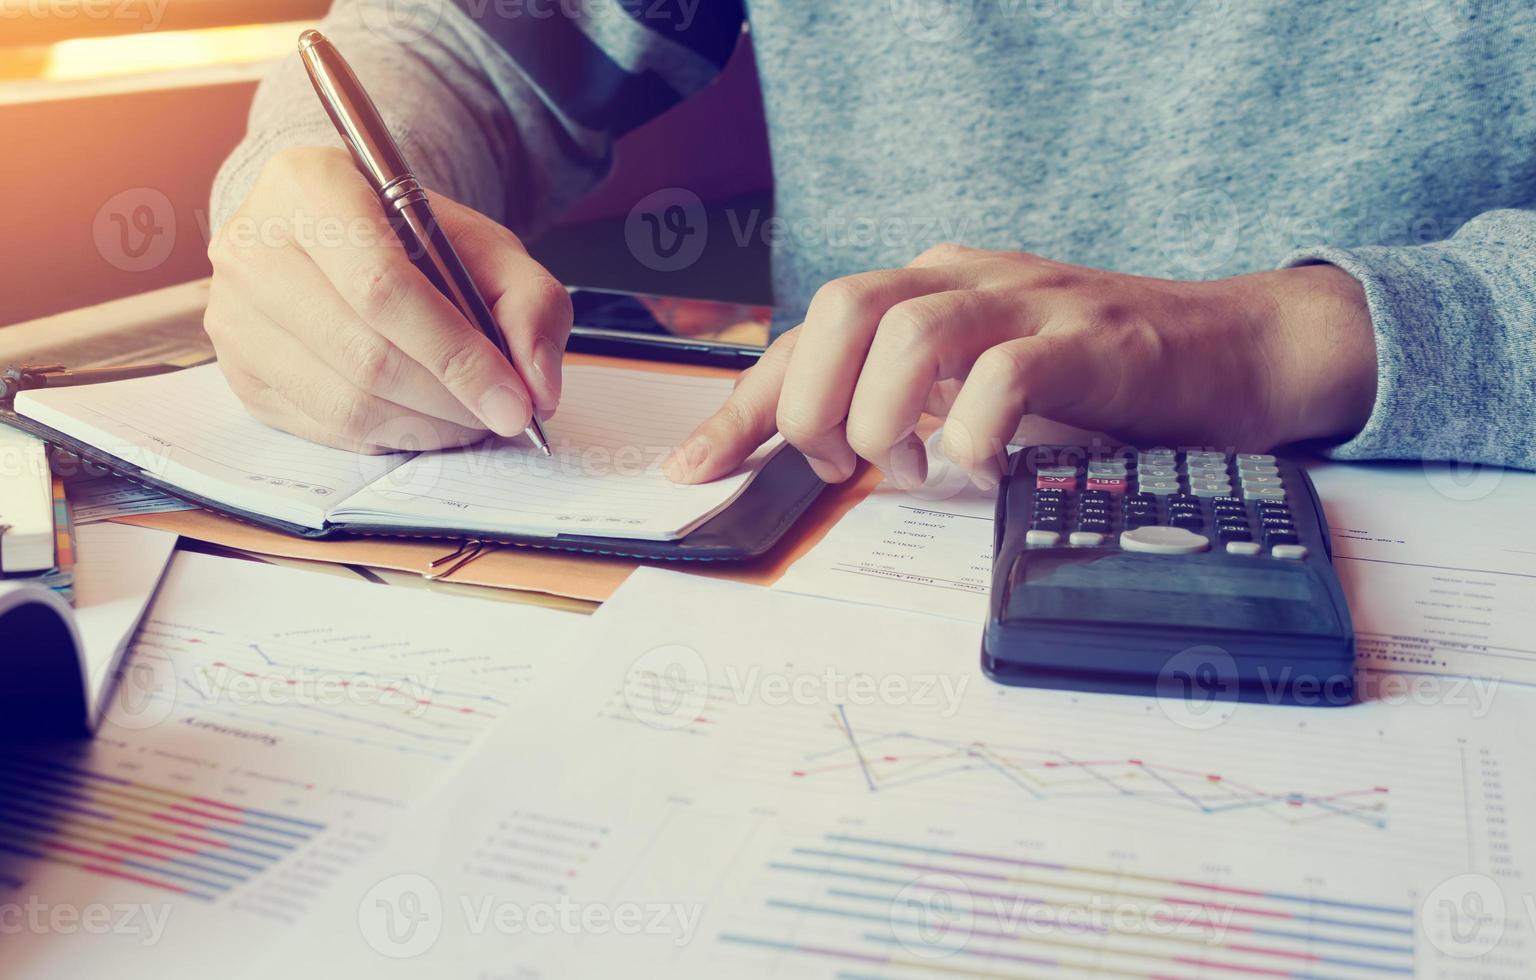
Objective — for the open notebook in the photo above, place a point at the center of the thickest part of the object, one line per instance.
(187, 432)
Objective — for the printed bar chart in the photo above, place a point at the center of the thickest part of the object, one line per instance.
(190, 845)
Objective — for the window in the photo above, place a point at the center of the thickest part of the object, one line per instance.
(57, 40)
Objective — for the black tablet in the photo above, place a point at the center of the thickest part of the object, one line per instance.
(669, 328)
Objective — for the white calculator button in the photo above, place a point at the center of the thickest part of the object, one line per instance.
(1041, 539)
(1086, 539)
(1295, 552)
(1263, 458)
(1245, 548)
(1156, 540)
(1265, 493)
(1262, 481)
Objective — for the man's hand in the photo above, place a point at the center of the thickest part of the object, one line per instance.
(986, 338)
(324, 328)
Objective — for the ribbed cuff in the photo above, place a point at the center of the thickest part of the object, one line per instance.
(1434, 373)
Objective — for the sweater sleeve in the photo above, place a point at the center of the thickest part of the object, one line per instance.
(495, 111)
(1455, 325)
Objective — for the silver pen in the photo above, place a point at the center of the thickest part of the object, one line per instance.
(377, 155)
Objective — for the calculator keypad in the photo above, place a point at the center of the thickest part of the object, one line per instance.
(1165, 502)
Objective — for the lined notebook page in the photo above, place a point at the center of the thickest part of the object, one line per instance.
(612, 433)
(189, 430)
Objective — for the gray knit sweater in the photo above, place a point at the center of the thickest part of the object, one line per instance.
(1395, 139)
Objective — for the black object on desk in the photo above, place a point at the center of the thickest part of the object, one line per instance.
(1192, 574)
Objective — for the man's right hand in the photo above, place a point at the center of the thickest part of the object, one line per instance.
(325, 329)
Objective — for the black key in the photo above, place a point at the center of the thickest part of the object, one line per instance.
(1049, 523)
(1277, 536)
(1051, 493)
(1087, 524)
(1139, 520)
(1273, 507)
(1227, 502)
(1098, 510)
(1149, 499)
(1098, 496)
(1184, 498)
(1278, 523)
(1188, 521)
(1234, 533)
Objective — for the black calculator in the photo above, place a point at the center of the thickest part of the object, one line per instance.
(1160, 571)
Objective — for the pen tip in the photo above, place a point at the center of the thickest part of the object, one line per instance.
(547, 451)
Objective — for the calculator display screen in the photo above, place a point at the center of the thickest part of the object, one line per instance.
(1159, 590)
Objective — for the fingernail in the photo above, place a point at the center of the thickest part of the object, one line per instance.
(685, 460)
(546, 367)
(828, 472)
(984, 480)
(505, 410)
(909, 464)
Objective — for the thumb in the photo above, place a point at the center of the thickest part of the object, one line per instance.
(746, 421)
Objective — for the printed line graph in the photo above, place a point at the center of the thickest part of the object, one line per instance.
(338, 694)
(889, 760)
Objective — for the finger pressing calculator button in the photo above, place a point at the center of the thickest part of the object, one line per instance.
(1164, 541)
(1086, 539)
(1293, 552)
(1245, 548)
(1041, 539)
